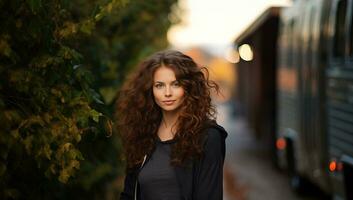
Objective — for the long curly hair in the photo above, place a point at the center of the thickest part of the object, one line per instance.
(138, 116)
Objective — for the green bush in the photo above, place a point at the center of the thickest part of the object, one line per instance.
(61, 63)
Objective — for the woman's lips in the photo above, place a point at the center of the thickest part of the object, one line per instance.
(169, 102)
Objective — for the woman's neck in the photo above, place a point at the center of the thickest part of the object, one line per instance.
(167, 128)
(169, 119)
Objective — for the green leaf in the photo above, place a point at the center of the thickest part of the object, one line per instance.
(95, 115)
(35, 5)
(2, 169)
(95, 96)
(108, 94)
(106, 124)
(87, 27)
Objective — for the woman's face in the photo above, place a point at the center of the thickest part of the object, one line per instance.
(167, 91)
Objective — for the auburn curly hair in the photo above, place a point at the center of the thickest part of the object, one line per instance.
(138, 116)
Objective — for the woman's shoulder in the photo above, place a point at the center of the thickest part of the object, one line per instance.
(213, 129)
(214, 133)
(214, 142)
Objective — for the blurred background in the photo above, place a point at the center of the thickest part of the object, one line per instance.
(285, 68)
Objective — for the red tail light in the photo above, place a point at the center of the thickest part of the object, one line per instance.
(333, 166)
(281, 143)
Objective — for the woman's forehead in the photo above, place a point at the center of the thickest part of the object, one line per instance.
(164, 74)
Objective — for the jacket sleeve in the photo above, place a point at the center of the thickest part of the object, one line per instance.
(128, 192)
(209, 184)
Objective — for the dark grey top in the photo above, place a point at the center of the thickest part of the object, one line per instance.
(157, 178)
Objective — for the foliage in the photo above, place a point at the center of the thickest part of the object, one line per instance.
(61, 63)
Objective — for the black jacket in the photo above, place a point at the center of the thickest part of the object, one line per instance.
(199, 179)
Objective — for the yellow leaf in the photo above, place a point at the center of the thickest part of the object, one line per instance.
(15, 134)
(64, 176)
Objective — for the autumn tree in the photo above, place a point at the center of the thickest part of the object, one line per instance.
(61, 63)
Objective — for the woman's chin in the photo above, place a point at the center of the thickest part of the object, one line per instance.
(170, 108)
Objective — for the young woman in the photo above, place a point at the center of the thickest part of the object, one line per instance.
(173, 146)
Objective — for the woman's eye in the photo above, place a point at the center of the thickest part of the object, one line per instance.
(176, 84)
(158, 85)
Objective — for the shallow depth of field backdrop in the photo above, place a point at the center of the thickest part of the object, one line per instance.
(61, 63)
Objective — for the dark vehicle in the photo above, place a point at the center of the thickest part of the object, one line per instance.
(257, 76)
(301, 114)
(313, 84)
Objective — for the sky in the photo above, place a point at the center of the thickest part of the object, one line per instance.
(216, 23)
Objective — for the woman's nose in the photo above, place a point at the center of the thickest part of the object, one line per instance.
(168, 91)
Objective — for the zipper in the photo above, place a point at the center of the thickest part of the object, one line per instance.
(143, 162)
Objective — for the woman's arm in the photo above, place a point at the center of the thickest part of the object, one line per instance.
(209, 183)
(129, 183)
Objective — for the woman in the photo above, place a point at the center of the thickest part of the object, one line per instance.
(173, 146)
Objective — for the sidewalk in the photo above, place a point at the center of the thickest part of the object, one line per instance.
(248, 173)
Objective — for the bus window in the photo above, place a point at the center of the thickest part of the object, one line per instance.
(350, 50)
(339, 33)
(291, 44)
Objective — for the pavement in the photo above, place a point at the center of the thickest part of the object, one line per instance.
(248, 171)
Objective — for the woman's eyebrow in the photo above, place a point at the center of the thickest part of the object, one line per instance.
(164, 82)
